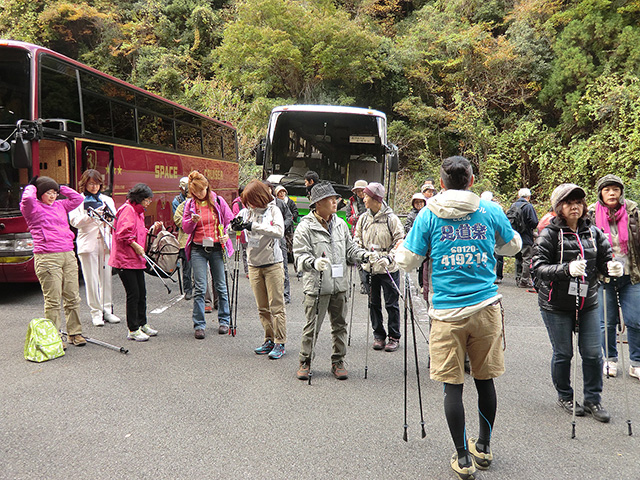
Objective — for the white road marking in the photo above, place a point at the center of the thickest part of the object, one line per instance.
(171, 303)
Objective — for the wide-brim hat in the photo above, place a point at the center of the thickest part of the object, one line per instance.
(360, 184)
(564, 191)
(418, 196)
(427, 186)
(278, 189)
(320, 191)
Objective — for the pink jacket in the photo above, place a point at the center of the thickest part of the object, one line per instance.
(128, 227)
(49, 224)
(224, 217)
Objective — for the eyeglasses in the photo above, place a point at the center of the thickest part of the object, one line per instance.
(93, 184)
(146, 202)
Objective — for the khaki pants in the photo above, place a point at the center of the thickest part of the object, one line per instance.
(267, 284)
(58, 276)
(336, 305)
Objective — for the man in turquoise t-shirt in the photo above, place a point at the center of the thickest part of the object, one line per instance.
(461, 232)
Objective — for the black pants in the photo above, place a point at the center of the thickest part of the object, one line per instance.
(383, 282)
(136, 290)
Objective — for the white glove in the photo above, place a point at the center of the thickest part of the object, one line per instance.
(577, 268)
(615, 268)
(322, 264)
(383, 262)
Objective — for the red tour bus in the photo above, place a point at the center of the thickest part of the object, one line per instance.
(59, 117)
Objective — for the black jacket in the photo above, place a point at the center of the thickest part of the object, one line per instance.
(530, 218)
(411, 217)
(557, 246)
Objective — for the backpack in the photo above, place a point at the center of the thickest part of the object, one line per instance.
(43, 341)
(516, 216)
(163, 249)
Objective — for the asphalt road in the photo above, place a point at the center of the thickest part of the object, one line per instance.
(180, 408)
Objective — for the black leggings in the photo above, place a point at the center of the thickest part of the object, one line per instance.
(134, 286)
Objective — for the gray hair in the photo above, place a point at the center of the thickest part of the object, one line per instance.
(524, 192)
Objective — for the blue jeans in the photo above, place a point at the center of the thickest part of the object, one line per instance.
(560, 328)
(630, 303)
(200, 256)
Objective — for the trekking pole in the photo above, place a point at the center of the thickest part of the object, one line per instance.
(606, 326)
(406, 361)
(226, 272)
(621, 355)
(415, 353)
(315, 324)
(99, 342)
(576, 328)
(366, 355)
(236, 285)
(353, 289)
(159, 271)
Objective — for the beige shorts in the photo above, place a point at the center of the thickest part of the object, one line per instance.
(479, 335)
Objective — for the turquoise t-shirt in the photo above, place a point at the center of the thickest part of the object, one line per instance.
(461, 253)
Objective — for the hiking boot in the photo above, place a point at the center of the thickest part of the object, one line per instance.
(525, 284)
(138, 336)
(481, 459)
(303, 371)
(393, 345)
(223, 329)
(277, 352)
(598, 411)
(265, 348)
(77, 340)
(379, 343)
(188, 295)
(110, 318)
(339, 371)
(199, 333)
(97, 320)
(148, 330)
(634, 371)
(466, 472)
(610, 369)
(208, 309)
(568, 406)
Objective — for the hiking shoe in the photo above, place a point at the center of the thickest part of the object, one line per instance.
(208, 309)
(97, 320)
(379, 343)
(568, 406)
(110, 318)
(525, 284)
(77, 340)
(339, 371)
(199, 333)
(223, 329)
(265, 348)
(598, 411)
(634, 371)
(138, 336)
(393, 345)
(148, 330)
(481, 459)
(188, 295)
(303, 371)
(466, 472)
(277, 351)
(610, 369)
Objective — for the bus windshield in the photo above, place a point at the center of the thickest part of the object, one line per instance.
(341, 144)
(14, 106)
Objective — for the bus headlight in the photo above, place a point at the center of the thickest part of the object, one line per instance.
(16, 243)
(23, 243)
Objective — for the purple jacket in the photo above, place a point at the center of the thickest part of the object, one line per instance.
(225, 215)
(49, 224)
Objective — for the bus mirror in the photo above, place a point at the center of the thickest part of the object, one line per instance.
(260, 154)
(392, 158)
(21, 152)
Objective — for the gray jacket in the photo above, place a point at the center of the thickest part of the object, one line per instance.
(311, 240)
(383, 229)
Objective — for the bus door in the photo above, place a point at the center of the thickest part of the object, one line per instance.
(100, 158)
(55, 160)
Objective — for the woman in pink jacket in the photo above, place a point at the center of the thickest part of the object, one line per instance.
(127, 255)
(55, 262)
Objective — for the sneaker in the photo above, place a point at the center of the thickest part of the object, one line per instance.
(199, 333)
(498, 280)
(208, 309)
(634, 371)
(277, 352)
(111, 318)
(598, 411)
(610, 369)
(148, 330)
(265, 348)
(463, 472)
(138, 336)
(339, 371)
(77, 340)
(393, 345)
(303, 371)
(481, 459)
(379, 343)
(97, 320)
(568, 406)
(223, 329)
(525, 284)
(188, 295)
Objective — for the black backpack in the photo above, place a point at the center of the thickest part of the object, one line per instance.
(516, 216)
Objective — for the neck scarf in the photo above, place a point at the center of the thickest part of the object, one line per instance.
(92, 201)
(605, 217)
